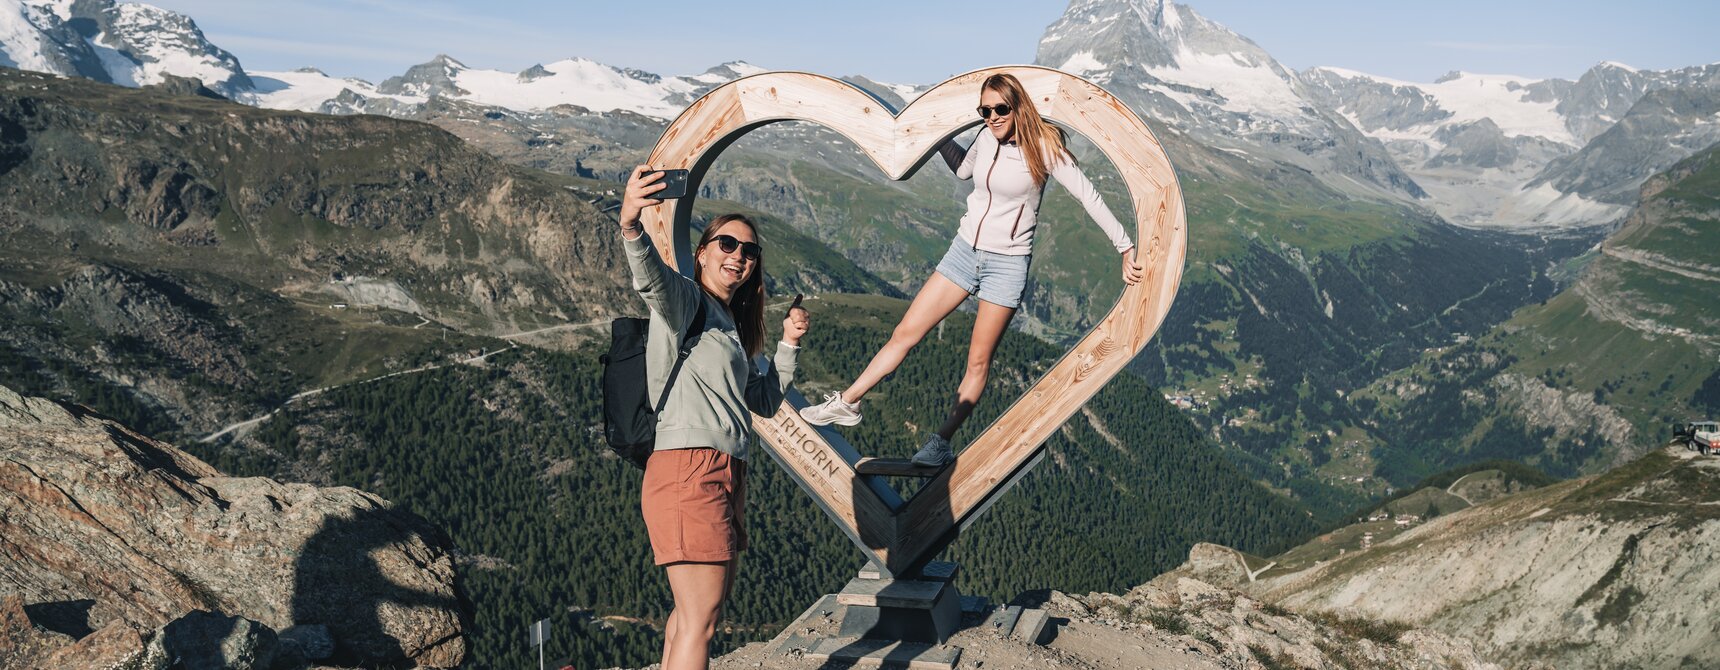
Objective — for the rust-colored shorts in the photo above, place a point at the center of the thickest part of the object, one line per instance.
(694, 502)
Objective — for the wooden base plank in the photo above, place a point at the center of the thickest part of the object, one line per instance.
(891, 593)
(935, 571)
(875, 653)
(1030, 628)
(1003, 619)
(894, 467)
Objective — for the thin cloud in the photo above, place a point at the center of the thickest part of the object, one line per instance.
(1495, 47)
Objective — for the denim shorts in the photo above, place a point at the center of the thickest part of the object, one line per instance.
(996, 278)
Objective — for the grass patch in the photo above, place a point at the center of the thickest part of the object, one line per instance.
(1165, 620)
(1273, 660)
(1383, 632)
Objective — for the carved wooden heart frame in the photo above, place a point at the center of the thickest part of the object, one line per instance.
(897, 536)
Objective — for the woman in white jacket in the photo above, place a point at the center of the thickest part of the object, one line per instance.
(1010, 161)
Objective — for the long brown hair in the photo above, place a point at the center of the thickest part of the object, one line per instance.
(746, 304)
(1041, 143)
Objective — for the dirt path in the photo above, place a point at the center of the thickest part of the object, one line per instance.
(301, 395)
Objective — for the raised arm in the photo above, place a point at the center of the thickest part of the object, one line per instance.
(1071, 177)
(766, 389)
(667, 292)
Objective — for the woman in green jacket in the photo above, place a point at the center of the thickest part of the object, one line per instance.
(694, 494)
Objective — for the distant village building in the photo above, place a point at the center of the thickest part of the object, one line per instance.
(1381, 515)
(1367, 540)
(1408, 519)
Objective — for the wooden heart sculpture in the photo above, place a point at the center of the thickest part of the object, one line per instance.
(899, 537)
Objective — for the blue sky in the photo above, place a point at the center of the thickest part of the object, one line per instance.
(925, 41)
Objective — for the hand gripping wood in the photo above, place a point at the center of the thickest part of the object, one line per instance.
(901, 536)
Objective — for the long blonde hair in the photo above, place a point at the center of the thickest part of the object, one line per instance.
(1041, 143)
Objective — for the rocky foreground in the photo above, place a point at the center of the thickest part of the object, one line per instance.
(1171, 623)
(1617, 570)
(120, 551)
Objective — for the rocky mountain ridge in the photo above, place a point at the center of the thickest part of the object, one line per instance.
(1613, 570)
(1172, 621)
(1493, 151)
(1198, 77)
(164, 250)
(1512, 152)
(110, 534)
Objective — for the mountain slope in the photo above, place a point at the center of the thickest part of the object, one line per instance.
(195, 262)
(1614, 570)
(1590, 378)
(1524, 154)
(508, 457)
(1174, 65)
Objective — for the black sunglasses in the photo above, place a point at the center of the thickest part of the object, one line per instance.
(1000, 110)
(749, 250)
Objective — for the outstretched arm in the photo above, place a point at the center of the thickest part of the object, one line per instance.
(667, 292)
(1071, 177)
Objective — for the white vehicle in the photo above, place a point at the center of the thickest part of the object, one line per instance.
(1703, 436)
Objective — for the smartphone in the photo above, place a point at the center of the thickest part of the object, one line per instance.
(797, 299)
(675, 184)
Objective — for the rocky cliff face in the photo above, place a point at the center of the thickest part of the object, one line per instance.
(102, 528)
(1615, 570)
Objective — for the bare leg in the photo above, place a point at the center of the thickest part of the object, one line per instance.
(936, 300)
(988, 330)
(698, 589)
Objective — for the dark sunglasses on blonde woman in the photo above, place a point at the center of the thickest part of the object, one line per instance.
(1000, 110)
(749, 250)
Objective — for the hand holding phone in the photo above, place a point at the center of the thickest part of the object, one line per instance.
(795, 324)
(674, 184)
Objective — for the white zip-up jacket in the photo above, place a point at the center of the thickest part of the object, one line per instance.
(1003, 210)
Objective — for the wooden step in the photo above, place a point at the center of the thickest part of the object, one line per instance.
(874, 653)
(935, 571)
(894, 467)
(1030, 628)
(891, 593)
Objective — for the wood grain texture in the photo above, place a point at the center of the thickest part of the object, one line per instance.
(899, 143)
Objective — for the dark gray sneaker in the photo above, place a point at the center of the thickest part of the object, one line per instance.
(833, 410)
(935, 453)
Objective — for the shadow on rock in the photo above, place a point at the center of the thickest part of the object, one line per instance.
(364, 576)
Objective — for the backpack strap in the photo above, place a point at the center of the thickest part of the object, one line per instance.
(688, 340)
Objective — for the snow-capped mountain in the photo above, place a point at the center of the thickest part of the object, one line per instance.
(1496, 150)
(130, 44)
(1482, 150)
(577, 81)
(1197, 76)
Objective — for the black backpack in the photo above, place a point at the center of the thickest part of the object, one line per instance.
(629, 416)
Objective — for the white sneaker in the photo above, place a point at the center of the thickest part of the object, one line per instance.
(935, 453)
(833, 410)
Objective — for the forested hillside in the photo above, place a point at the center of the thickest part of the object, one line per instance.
(1591, 377)
(508, 458)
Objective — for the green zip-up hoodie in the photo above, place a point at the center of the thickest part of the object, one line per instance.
(717, 386)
